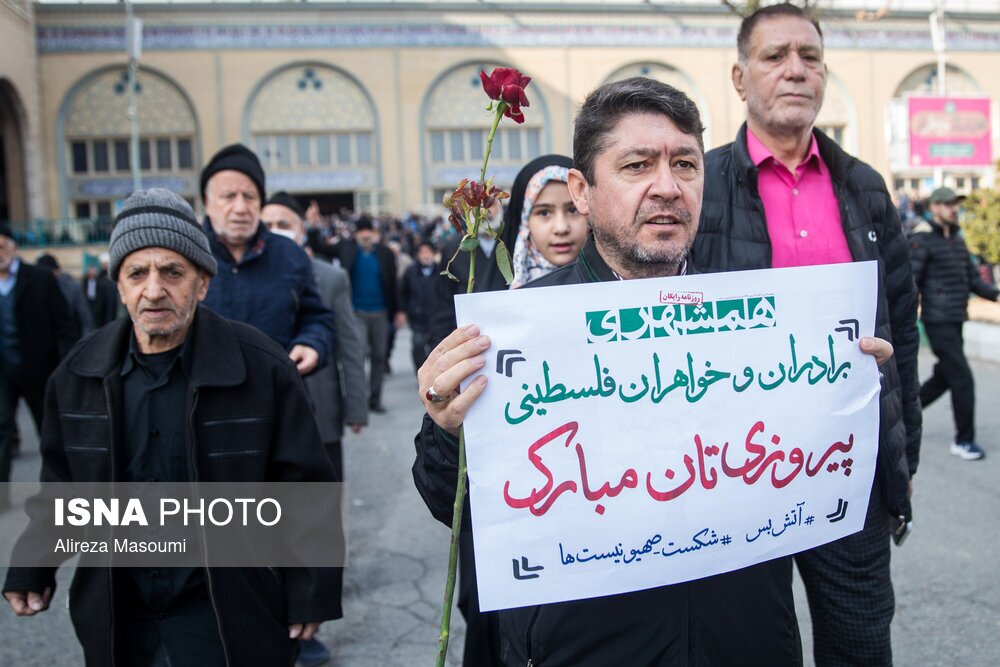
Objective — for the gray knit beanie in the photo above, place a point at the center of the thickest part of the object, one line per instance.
(158, 218)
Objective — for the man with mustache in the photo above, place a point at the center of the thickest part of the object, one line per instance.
(638, 178)
(263, 280)
(784, 194)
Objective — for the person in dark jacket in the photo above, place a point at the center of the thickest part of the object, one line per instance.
(945, 275)
(36, 331)
(102, 296)
(783, 194)
(417, 294)
(372, 269)
(638, 177)
(264, 280)
(244, 417)
(338, 389)
(75, 299)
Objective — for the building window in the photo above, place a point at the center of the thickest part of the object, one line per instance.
(122, 161)
(307, 151)
(185, 154)
(99, 157)
(79, 150)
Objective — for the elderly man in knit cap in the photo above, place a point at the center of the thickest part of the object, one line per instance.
(264, 280)
(182, 389)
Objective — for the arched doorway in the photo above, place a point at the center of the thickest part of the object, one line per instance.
(315, 130)
(93, 136)
(454, 125)
(13, 168)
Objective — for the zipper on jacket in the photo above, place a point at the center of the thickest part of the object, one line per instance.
(193, 467)
(527, 635)
(111, 463)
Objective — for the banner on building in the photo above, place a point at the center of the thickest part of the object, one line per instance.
(950, 131)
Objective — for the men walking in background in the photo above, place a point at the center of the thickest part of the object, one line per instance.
(36, 331)
(264, 280)
(75, 299)
(945, 275)
(338, 389)
(372, 269)
(192, 397)
(784, 194)
(102, 297)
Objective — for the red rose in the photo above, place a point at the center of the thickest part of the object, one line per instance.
(507, 85)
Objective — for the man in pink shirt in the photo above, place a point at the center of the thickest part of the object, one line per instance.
(784, 194)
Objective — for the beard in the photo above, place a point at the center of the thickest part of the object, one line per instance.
(621, 245)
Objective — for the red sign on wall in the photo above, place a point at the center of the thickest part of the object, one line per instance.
(950, 131)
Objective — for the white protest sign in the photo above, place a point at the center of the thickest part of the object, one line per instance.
(641, 433)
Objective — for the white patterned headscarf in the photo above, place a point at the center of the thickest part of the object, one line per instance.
(528, 260)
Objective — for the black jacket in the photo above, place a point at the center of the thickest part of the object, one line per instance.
(945, 274)
(238, 376)
(732, 236)
(46, 329)
(418, 296)
(746, 617)
(104, 305)
(347, 252)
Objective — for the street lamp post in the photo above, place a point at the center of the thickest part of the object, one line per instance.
(938, 40)
(133, 47)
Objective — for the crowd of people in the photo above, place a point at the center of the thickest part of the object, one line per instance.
(267, 327)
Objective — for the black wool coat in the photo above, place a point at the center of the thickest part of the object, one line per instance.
(248, 420)
(46, 329)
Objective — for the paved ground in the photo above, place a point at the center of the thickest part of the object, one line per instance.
(946, 576)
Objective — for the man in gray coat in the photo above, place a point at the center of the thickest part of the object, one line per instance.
(338, 390)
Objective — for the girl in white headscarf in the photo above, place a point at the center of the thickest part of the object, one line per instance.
(551, 232)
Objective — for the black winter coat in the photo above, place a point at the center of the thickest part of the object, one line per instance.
(732, 236)
(945, 274)
(418, 296)
(746, 617)
(238, 376)
(46, 329)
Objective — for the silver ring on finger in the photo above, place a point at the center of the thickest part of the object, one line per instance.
(434, 397)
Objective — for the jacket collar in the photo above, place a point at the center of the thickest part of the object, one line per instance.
(592, 266)
(254, 245)
(216, 358)
(836, 160)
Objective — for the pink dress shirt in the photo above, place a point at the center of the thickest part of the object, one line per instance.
(803, 218)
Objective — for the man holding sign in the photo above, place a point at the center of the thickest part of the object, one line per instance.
(639, 177)
(784, 194)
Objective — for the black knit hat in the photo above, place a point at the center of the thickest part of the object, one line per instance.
(5, 230)
(363, 223)
(288, 201)
(235, 157)
(158, 218)
(47, 261)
